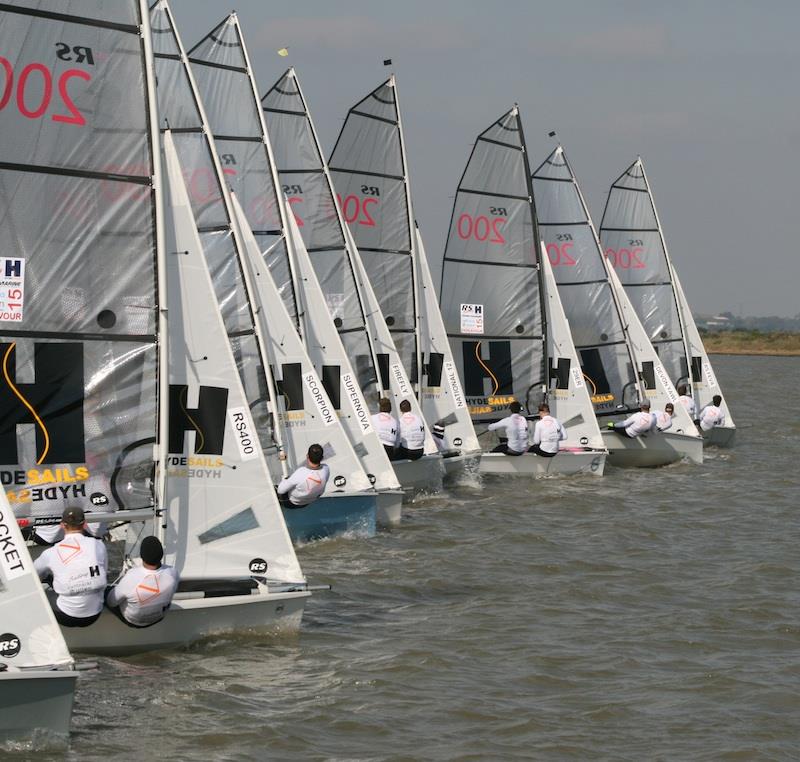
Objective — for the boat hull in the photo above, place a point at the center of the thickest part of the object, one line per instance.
(421, 475)
(533, 465)
(192, 619)
(652, 450)
(460, 462)
(35, 700)
(719, 436)
(331, 515)
(390, 508)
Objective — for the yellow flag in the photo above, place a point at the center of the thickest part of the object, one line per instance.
(283, 52)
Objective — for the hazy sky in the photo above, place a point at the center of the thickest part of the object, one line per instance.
(705, 92)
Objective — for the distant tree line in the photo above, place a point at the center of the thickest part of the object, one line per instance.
(727, 321)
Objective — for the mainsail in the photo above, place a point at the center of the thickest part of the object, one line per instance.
(618, 361)
(633, 241)
(80, 307)
(491, 289)
(277, 374)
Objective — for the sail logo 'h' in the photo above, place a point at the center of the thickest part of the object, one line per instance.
(496, 368)
(207, 420)
(53, 403)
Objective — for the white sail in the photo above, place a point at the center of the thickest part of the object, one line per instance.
(30, 636)
(221, 513)
(634, 243)
(617, 358)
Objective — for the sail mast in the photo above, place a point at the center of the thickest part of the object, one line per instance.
(154, 133)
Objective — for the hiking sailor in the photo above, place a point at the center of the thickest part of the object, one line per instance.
(547, 433)
(144, 592)
(638, 424)
(711, 415)
(412, 433)
(76, 569)
(387, 427)
(664, 417)
(685, 399)
(516, 426)
(307, 483)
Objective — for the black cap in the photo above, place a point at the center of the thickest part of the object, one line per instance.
(73, 517)
(151, 550)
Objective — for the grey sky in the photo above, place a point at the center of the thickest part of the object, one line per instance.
(706, 92)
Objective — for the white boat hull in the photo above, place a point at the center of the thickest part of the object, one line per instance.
(720, 436)
(652, 450)
(192, 619)
(533, 465)
(421, 475)
(35, 700)
(390, 508)
(456, 464)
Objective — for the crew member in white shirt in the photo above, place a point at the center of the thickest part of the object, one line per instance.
(307, 483)
(711, 415)
(412, 433)
(144, 593)
(686, 400)
(76, 569)
(547, 433)
(516, 428)
(387, 427)
(664, 417)
(638, 424)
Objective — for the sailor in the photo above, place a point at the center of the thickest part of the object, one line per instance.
(711, 415)
(412, 433)
(686, 400)
(516, 426)
(664, 417)
(387, 427)
(307, 483)
(76, 569)
(547, 433)
(638, 424)
(144, 593)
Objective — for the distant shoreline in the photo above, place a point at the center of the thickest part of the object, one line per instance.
(752, 343)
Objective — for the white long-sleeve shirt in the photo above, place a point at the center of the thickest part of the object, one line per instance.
(305, 485)
(688, 403)
(387, 428)
(143, 595)
(412, 431)
(547, 433)
(516, 427)
(639, 423)
(663, 420)
(78, 566)
(711, 416)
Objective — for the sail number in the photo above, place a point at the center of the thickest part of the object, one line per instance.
(356, 209)
(483, 228)
(626, 259)
(26, 105)
(558, 252)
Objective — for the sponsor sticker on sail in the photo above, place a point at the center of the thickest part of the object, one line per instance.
(577, 378)
(12, 289)
(665, 382)
(403, 389)
(11, 557)
(357, 402)
(471, 318)
(324, 406)
(709, 373)
(244, 433)
(455, 387)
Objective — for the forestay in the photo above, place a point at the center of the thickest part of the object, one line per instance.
(30, 637)
(78, 299)
(491, 289)
(634, 244)
(223, 519)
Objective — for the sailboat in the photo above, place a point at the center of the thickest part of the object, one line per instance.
(37, 675)
(221, 68)
(370, 171)
(120, 392)
(284, 392)
(508, 331)
(634, 244)
(617, 360)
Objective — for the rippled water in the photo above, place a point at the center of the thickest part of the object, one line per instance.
(646, 615)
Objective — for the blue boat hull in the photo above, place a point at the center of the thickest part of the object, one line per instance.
(332, 515)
